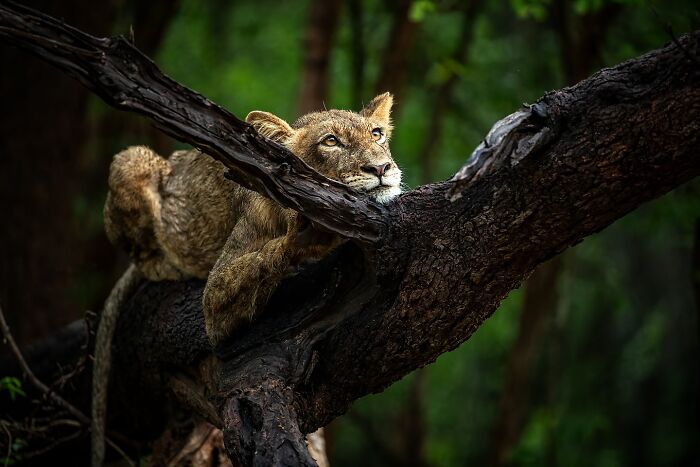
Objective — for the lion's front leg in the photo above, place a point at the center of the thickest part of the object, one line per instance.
(236, 290)
(240, 286)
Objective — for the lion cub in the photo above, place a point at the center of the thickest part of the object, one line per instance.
(180, 217)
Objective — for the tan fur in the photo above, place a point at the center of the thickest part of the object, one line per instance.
(180, 217)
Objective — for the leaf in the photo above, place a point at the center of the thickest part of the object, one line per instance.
(13, 386)
(530, 9)
(420, 9)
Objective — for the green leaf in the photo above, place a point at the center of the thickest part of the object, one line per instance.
(530, 9)
(13, 386)
(420, 9)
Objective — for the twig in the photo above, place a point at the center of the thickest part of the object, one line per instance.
(29, 374)
(120, 451)
(55, 423)
(82, 362)
(52, 445)
(187, 392)
(686, 52)
(42, 432)
(188, 449)
(58, 400)
(668, 29)
(9, 443)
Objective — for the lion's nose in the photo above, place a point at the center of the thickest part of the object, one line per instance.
(377, 170)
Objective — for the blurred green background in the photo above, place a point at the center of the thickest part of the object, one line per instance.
(593, 362)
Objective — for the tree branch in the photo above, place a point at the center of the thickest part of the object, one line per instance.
(126, 79)
(434, 265)
(50, 394)
(29, 374)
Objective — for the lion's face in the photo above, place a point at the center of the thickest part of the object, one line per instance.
(352, 148)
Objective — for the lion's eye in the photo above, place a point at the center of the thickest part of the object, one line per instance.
(330, 140)
(378, 135)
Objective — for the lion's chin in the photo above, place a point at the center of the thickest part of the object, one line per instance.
(384, 193)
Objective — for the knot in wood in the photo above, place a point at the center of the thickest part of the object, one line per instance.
(284, 169)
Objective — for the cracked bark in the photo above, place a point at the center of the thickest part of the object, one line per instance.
(417, 278)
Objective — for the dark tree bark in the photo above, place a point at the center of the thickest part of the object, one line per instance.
(581, 41)
(321, 25)
(417, 278)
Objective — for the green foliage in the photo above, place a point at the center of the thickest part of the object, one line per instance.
(532, 9)
(236, 56)
(616, 376)
(13, 387)
(463, 389)
(13, 455)
(420, 9)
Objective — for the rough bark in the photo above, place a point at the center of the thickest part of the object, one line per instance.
(581, 41)
(420, 276)
(126, 79)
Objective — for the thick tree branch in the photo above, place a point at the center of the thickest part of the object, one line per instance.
(126, 79)
(433, 267)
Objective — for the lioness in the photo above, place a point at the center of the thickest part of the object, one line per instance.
(180, 217)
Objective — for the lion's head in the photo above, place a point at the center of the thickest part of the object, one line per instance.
(350, 147)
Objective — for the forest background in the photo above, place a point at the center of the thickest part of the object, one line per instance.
(595, 360)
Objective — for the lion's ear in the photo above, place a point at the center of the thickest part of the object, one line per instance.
(270, 126)
(379, 107)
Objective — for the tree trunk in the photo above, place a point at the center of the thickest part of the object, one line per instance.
(581, 43)
(539, 304)
(318, 41)
(443, 93)
(417, 278)
(41, 138)
(582, 37)
(43, 170)
(357, 50)
(398, 49)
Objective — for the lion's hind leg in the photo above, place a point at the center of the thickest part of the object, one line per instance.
(133, 208)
